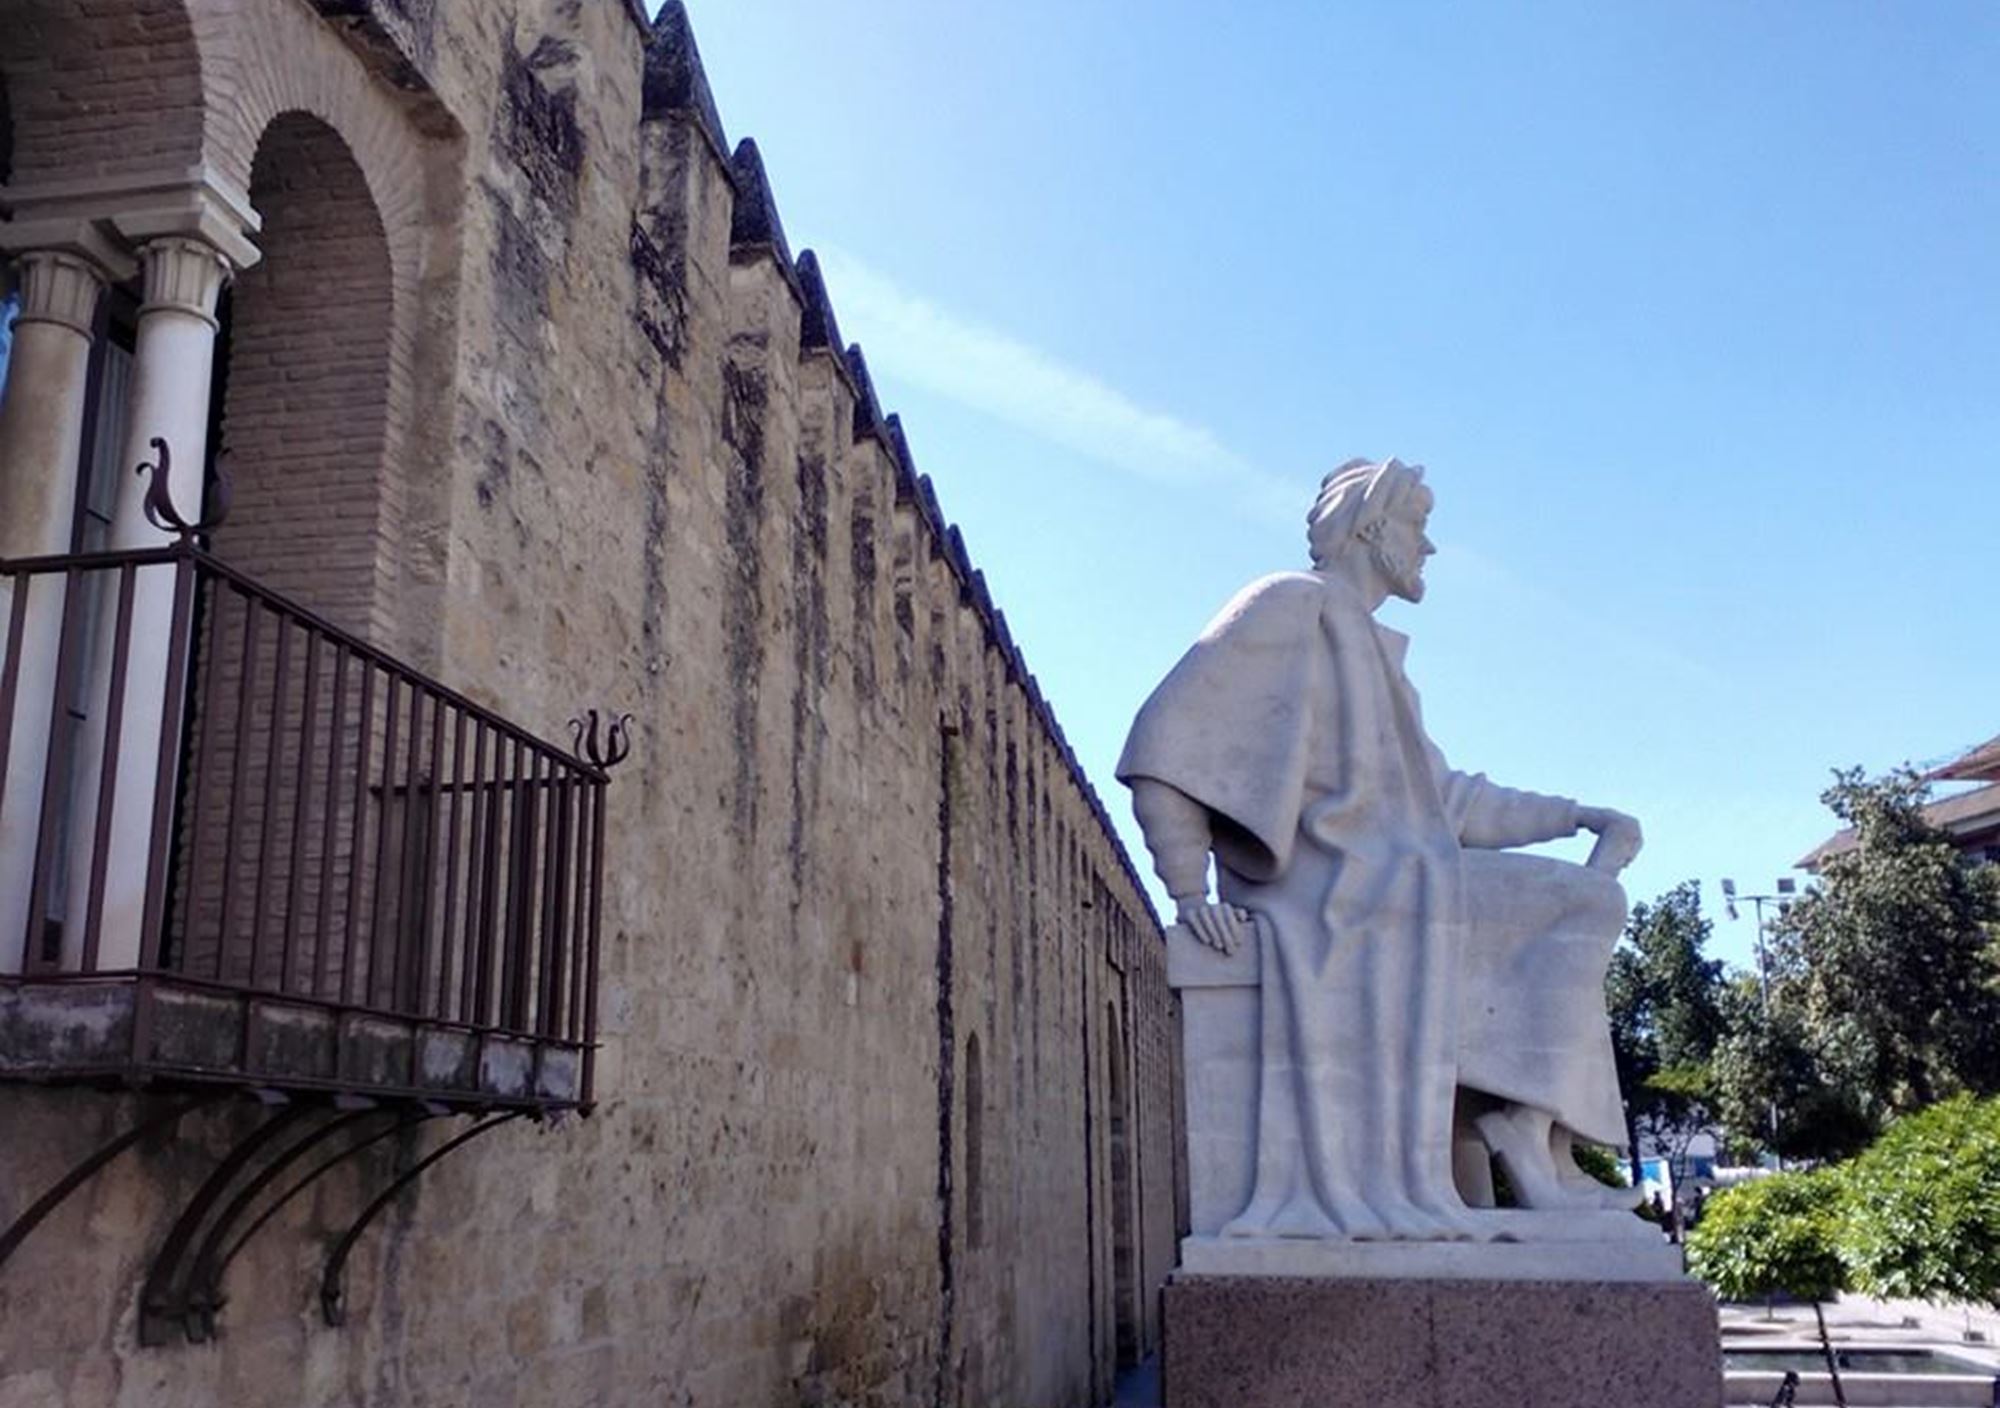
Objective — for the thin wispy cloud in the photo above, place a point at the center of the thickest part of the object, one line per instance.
(914, 340)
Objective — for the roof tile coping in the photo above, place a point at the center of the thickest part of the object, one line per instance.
(675, 83)
(819, 329)
(754, 227)
(868, 422)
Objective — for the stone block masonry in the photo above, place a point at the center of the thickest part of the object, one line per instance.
(1281, 1342)
(888, 1078)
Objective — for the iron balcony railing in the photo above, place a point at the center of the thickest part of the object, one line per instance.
(207, 789)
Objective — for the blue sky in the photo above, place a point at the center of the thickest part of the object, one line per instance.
(1689, 309)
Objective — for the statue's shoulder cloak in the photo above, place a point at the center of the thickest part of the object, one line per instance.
(1233, 724)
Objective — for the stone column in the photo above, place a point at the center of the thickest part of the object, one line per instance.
(41, 439)
(41, 418)
(175, 351)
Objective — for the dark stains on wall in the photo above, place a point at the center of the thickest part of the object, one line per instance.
(745, 394)
(948, 760)
(495, 488)
(662, 313)
(862, 540)
(395, 38)
(521, 274)
(1018, 946)
(538, 133)
(653, 606)
(811, 659)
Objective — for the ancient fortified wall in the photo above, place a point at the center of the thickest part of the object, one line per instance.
(527, 387)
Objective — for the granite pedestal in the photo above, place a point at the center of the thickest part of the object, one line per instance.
(1297, 1342)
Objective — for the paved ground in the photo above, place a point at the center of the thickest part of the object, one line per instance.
(1854, 1322)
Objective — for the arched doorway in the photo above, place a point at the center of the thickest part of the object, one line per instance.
(303, 381)
(299, 425)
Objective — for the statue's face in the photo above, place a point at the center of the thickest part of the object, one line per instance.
(1400, 548)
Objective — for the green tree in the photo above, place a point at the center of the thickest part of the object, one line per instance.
(1664, 998)
(1884, 974)
(1776, 1236)
(1923, 1207)
(1769, 1089)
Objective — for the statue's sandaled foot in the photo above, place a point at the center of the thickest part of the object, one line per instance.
(1588, 1190)
(1524, 1153)
(1590, 1193)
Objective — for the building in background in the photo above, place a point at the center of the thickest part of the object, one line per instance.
(1970, 816)
(794, 1030)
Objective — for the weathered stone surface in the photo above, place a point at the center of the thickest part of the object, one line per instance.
(1272, 1342)
(593, 462)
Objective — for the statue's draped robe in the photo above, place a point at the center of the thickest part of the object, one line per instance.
(1339, 824)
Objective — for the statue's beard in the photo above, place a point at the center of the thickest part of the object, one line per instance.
(1405, 575)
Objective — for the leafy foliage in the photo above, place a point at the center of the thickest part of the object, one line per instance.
(1770, 1091)
(1777, 1235)
(1600, 1164)
(1664, 999)
(1889, 961)
(1885, 983)
(1923, 1215)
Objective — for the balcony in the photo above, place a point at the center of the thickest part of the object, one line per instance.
(242, 847)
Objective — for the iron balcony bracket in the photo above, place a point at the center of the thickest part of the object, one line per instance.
(205, 1297)
(332, 1290)
(18, 1231)
(201, 1296)
(163, 1300)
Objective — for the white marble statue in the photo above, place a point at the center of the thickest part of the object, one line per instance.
(1422, 997)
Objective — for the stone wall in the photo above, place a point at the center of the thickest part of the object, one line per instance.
(887, 1093)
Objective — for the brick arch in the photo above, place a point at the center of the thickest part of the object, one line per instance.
(275, 63)
(307, 378)
(100, 90)
(268, 60)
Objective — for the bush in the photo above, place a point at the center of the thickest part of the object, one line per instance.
(1923, 1214)
(1777, 1235)
(1600, 1163)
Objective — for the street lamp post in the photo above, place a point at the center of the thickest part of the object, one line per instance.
(1786, 892)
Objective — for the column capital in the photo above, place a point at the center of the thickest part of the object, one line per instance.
(82, 240)
(120, 213)
(183, 274)
(59, 287)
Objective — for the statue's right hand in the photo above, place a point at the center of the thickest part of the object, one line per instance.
(1223, 927)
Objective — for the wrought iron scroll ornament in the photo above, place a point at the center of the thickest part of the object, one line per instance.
(606, 753)
(159, 501)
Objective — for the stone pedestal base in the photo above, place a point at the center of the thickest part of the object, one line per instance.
(1287, 1342)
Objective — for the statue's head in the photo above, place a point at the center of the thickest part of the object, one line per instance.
(1369, 520)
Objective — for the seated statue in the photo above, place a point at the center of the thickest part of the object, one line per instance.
(1427, 1002)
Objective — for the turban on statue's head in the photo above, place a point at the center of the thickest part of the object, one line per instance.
(1353, 501)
